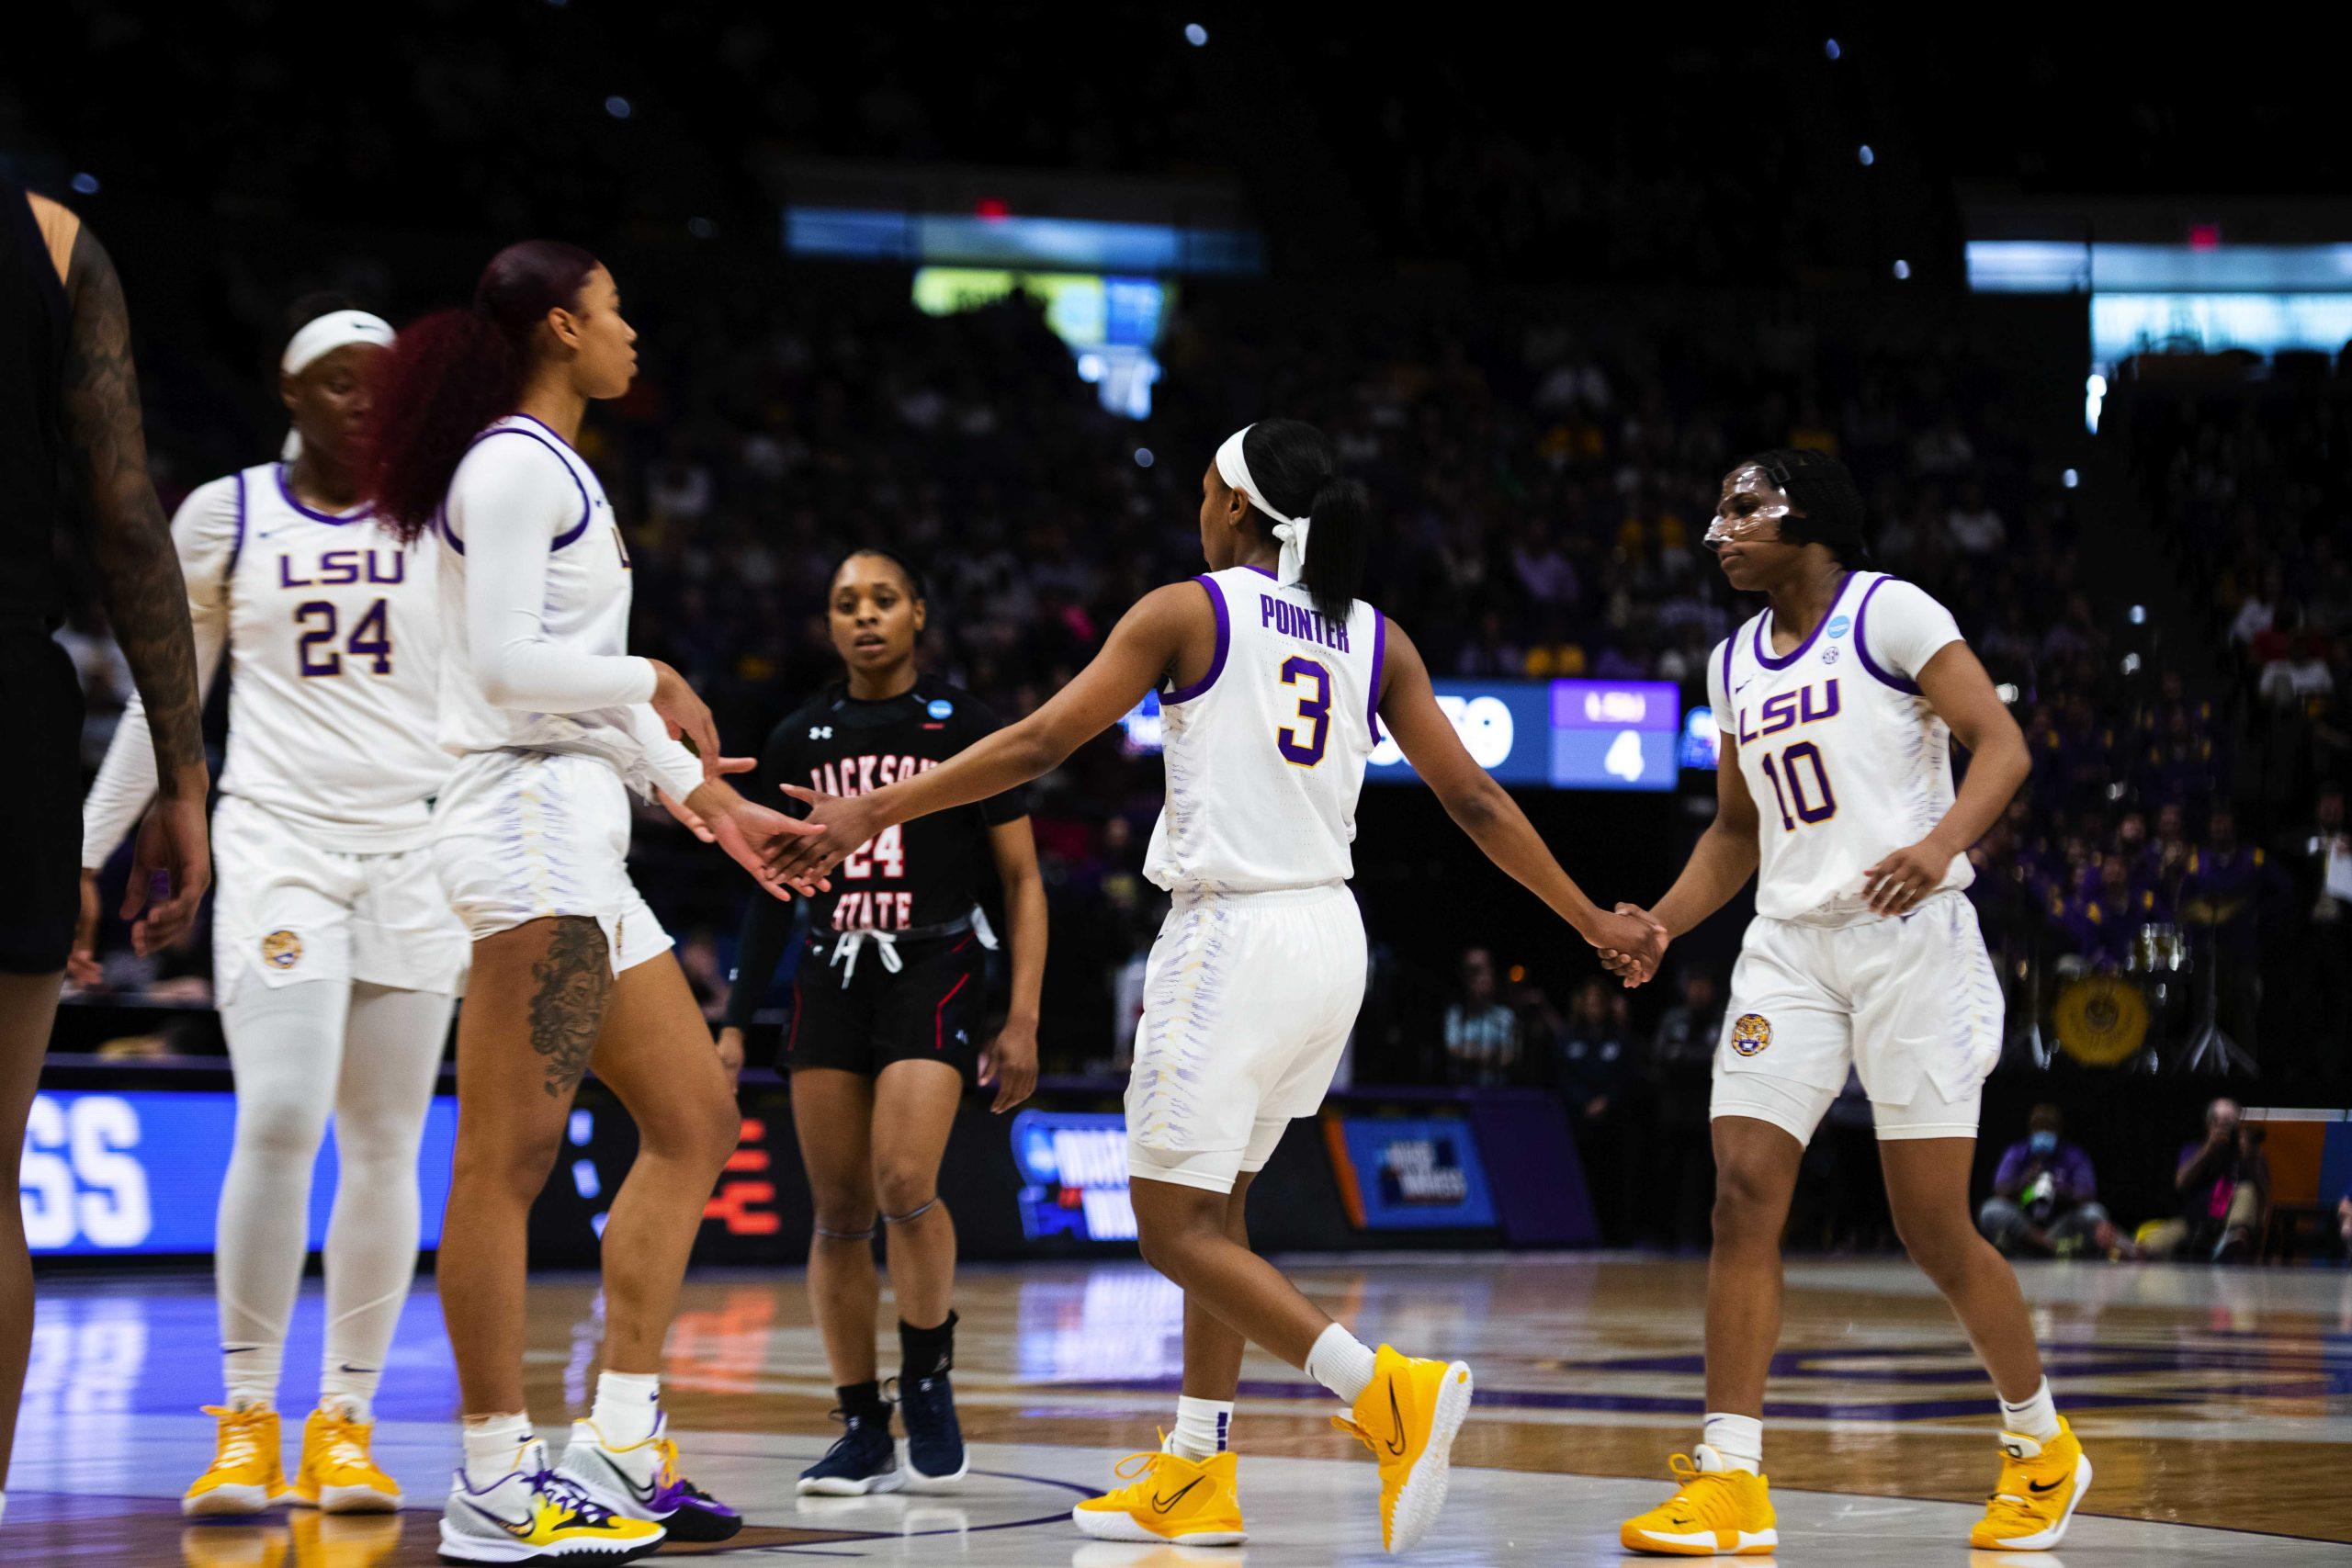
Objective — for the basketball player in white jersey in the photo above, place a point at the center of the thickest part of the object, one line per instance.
(1275, 678)
(553, 721)
(334, 953)
(1838, 705)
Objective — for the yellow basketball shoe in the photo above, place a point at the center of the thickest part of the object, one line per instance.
(337, 1475)
(2040, 1483)
(1717, 1512)
(1171, 1499)
(1407, 1417)
(247, 1474)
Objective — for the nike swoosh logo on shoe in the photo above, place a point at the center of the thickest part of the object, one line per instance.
(1397, 1417)
(519, 1531)
(1160, 1506)
(643, 1495)
(2038, 1488)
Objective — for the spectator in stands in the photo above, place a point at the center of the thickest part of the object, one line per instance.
(2045, 1197)
(1689, 1031)
(1975, 527)
(1593, 1061)
(2223, 1182)
(2344, 1225)
(1481, 1034)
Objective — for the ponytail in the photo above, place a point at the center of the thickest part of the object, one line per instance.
(1299, 468)
(1339, 547)
(454, 371)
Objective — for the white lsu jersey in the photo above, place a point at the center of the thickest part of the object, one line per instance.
(333, 639)
(1266, 752)
(1846, 761)
(557, 609)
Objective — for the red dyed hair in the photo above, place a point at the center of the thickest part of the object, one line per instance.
(454, 371)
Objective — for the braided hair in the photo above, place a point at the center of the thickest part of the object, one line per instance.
(1823, 489)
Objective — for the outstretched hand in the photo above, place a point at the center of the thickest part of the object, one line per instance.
(755, 837)
(1632, 943)
(835, 826)
(686, 815)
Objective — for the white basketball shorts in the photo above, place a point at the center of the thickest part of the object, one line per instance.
(1911, 1004)
(520, 836)
(1249, 999)
(284, 910)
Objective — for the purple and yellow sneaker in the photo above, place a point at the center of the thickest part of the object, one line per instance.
(641, 1482)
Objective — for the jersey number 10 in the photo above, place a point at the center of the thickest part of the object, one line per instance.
(370, 638)
(1797, 791)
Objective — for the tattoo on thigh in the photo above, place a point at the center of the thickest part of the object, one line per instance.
(568, 1008)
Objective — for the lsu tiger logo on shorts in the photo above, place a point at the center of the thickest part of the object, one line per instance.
(281, 950)
(1750, 1033)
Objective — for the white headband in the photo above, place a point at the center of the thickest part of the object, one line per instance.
(1232, 468)
(337, 329)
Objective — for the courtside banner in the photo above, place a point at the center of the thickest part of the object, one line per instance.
(140, 1172)
(1410, 1174)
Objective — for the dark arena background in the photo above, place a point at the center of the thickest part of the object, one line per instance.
(2071, 295)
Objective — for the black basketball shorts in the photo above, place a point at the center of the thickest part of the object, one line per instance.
(930, 1009)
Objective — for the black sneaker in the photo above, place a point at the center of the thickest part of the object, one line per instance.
(935, 1458)
(864, 1459)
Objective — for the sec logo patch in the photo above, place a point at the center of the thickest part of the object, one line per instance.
(1750, 1033)
(281, 950)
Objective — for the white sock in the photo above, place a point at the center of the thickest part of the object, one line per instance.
(627, 1405)
(349, 1390)
(249, 1373)
(492, 1442)
(1739, 1438)
(1341, 1362)
(2036, 1418)
(1204, 1427)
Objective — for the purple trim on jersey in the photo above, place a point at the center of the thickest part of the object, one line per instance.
(1223, 646)
(552, 430)
(237, 544)
(1262, 572)
(1863, 644)
(1764, 648)
(366, 508)
(1729, 643)
(557, 445)
(1379, 655)
(441, 521)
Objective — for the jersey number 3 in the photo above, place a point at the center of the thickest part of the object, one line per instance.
(1302, 743)
(371, 638)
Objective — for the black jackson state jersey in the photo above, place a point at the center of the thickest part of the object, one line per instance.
(924, 872)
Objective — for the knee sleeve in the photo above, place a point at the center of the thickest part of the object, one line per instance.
(286, 1043)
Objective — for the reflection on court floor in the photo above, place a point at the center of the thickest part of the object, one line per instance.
(2214, 1403)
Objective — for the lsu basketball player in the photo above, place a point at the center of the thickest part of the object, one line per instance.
(1276, 677)
(1839, 703)
(553, 721)
(335, 956)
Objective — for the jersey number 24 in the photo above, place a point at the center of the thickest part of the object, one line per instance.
(371, 638)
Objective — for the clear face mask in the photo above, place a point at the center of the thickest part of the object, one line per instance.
(1753, 507)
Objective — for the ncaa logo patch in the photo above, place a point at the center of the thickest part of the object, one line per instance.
(1750, 1033)
(940, 707)
(1839, 626)
(281, 950)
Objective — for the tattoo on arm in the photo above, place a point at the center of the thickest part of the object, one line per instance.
(568, 1009)
(130, 541)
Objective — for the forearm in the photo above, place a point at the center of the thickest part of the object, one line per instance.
(1024, 913)
(125, 782)
(146, 604)
(1719, 866)
(1495, 824)
(1994, 775)
(767, 927)
(1003, 761)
